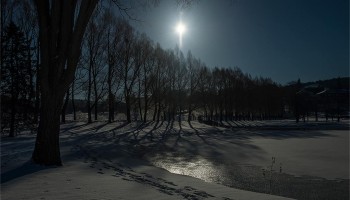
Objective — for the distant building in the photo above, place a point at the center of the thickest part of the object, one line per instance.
(317, 101)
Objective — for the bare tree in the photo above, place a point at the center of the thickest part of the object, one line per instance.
(193, 67)
(95, 42)
(145, 60)
(78, 84)
(112, 42)
(129, 66)
(181, 82)
(172, 64)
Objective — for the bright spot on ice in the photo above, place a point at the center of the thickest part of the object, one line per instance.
(199, 168)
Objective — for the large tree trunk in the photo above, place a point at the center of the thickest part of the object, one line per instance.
(47, 147)
(62, 25)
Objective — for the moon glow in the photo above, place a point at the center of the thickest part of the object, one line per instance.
(180, 29)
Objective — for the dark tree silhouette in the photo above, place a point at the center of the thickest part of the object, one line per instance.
(94, 44)
(15, 72)
(62, 25)
(129, 66)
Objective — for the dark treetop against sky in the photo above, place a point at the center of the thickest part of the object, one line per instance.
(281, 39)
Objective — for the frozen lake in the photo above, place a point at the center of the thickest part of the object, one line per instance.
(237, 157)
(321, 153)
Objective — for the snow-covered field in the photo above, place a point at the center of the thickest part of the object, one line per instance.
(117, 161)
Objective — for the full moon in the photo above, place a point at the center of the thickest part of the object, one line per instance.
(180, 29)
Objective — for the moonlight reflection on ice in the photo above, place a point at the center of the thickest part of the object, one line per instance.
(198, 167)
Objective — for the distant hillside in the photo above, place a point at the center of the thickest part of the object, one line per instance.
(335, 83)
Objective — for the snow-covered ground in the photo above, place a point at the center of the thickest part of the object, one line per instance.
(99, 167)
(115, 161)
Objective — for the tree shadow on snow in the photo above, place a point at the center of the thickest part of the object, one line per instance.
(279, 132)
(27, 168)
(197, 133)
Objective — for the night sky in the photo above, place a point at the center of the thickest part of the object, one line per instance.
(281, 39)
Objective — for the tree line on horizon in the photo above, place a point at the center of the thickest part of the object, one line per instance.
(118, 64)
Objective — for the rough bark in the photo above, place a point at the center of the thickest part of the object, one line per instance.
(47, 148)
